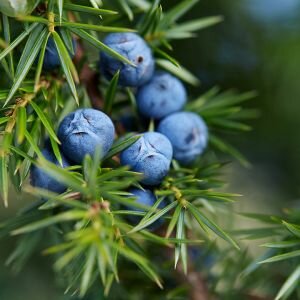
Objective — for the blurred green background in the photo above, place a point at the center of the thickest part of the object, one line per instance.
(257, 47)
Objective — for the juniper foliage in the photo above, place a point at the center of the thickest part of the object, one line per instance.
(85, 231)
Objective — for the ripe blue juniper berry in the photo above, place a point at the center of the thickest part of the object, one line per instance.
(150, 155)
(82, 131)
(145, 197)
(39, 178)
(187, 133)
(162, 95)
(51, 58)
(134, 48)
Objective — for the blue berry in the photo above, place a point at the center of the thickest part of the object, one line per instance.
(51, 58)
(39, 178)
(145, 197)
(150, 155)
(82, 131)
(187, 133)
(135, 49)
(163, 95)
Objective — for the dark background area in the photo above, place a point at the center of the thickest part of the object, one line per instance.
(256, 47)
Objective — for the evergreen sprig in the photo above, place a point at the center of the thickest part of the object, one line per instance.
(284, 248)
(86, 229)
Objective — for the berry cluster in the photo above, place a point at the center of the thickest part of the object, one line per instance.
(160, 96)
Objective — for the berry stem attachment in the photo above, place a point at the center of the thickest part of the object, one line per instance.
(179, 197)
(51, 23)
